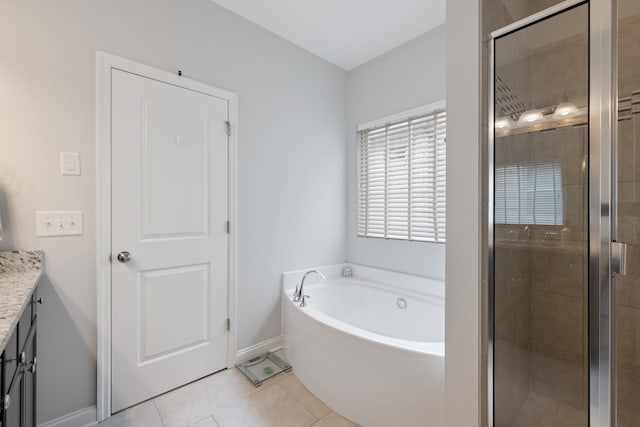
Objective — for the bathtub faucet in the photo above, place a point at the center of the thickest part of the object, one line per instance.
(298, 294)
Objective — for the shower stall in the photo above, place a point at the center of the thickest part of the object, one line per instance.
(563, 212)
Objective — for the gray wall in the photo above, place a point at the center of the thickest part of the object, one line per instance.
(462, 304)
(409, 76)
(291, 164)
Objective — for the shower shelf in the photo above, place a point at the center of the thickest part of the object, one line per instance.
(547, 124)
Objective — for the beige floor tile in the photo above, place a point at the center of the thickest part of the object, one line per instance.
(207, 422)
(196, 401)
(334, 420)
(237, 381)
(537, 411)
(568, 416)
(269, 407)
(281, 402)
(274, 380)
(299, 392)
(142, 415)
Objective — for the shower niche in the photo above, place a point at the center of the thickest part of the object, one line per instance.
(563, 179)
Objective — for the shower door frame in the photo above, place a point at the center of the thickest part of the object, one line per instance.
(602, 161)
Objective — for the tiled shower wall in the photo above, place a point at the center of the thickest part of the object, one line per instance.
(628, 287)
(512, 333)
(541, 282)
(559, 300)
(540, 291)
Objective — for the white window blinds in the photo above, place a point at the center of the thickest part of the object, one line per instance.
(402, 179)
(529, 194)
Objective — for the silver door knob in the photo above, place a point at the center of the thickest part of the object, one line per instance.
(124, 256)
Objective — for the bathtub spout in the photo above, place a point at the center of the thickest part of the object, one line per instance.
(298, 294)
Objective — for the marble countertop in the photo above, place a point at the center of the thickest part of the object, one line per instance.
(19, 275)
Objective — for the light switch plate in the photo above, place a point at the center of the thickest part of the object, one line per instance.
(58, 223)
(69, 163)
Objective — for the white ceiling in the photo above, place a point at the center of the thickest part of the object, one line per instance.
(347, 33)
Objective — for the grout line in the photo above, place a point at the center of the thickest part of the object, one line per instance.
(205, 418)
(294, 397)
(263, 387)
(317, 420)
(199, 421)
(155, 405)
(243, 379)
(214, 420)
(331, 411)
(555, 416)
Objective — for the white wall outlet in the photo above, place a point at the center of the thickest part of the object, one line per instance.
(66, 223)
(69, 163)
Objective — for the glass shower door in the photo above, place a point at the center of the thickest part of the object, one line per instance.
(540, 223)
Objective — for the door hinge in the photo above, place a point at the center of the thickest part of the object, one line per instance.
(228, 227)
(228, 127)
(228, 324)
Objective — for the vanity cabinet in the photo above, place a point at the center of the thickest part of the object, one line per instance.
(18, 370)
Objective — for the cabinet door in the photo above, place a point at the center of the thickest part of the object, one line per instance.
(10, 360)
(11, 416)
(28, 382)
(13, 413)
(24, 325)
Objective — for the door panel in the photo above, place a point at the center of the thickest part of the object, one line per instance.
(187, 290)
(164, 148)
(540, 205)
(169, 210)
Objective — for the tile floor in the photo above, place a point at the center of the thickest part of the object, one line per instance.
(541, 411)
(226, 399)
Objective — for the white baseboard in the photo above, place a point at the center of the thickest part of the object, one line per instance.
(83, 418)
(272, 344)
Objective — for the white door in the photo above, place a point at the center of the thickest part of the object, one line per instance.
(169, 212)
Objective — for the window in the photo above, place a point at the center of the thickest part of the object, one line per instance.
(402, 177)
(529, 194)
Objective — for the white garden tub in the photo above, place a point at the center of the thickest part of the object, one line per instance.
(370, 346)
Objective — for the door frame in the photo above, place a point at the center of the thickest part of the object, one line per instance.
(105, 63)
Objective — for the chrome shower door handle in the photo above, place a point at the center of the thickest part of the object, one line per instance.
(124, 256)
(619, 258)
